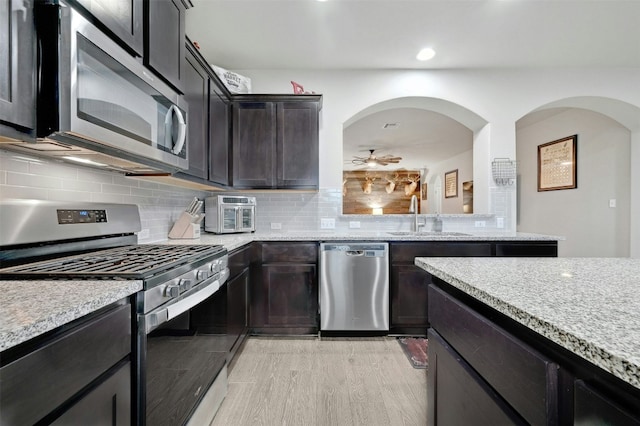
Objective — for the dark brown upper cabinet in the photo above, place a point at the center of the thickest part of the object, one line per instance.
(196, 91)
(219, 132)
(275, 141)
(121, 19)
(17, 69)
(208, 121)
(164, 41)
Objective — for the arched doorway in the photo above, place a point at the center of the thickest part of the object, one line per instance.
(447, 140)
(597, 218)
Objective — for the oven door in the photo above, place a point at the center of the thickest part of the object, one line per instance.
(179, 361)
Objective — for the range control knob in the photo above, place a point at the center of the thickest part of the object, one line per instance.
(202, 275)
(185, 284)
(172, 290)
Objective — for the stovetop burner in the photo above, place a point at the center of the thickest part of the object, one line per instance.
(129, 262)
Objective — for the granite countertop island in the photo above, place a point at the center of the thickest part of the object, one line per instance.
(589, 306)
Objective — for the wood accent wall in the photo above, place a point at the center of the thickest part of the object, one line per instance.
(355, 201)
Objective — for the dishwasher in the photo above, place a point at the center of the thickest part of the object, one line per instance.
(354, 286)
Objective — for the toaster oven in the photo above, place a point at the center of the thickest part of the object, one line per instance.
(226, 214)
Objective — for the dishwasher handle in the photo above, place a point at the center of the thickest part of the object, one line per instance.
(355, 253)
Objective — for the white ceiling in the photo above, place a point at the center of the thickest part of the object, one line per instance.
(374, 34)
(422, 138)
(387, 34)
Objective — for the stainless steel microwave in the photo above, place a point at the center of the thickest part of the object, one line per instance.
(98, 105)
(226, 214)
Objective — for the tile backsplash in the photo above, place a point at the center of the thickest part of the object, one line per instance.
(160, 204)
(33, 178)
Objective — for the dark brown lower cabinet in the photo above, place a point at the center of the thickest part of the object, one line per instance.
(408, 296)
(525, 379)
(593, 408)
(80, 371)
(108, 404)
(462, 397)
(485, 368)
(237, 311)
(409, 283)
(284, 298)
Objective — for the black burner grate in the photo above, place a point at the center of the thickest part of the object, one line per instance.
(135, 262)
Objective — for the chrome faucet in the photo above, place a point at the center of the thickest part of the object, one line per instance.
(413, 208)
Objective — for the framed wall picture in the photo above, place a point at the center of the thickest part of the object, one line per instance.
(451, 184)
(557, 167)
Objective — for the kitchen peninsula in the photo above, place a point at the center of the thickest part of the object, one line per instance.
(552, 341)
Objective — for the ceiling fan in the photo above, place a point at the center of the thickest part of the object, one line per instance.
(374, 161)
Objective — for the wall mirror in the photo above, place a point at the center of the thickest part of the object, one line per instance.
(391, 155)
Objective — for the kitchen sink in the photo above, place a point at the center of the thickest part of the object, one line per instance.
(428, 233)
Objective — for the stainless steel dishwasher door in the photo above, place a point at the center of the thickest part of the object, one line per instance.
(354, 286)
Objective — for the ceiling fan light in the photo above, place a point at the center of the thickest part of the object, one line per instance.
(372, 163)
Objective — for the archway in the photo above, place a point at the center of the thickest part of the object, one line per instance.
(457, 115)
(608, 136)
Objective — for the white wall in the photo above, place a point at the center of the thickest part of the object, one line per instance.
(464, 164)
(582, 215)
(500, 97)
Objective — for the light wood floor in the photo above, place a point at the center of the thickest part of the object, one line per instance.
(307, 381)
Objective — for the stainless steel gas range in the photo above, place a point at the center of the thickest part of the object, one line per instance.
(178, 364)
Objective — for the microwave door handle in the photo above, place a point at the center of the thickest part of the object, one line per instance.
(182, 128)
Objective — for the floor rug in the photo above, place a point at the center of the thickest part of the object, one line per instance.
(415, 348)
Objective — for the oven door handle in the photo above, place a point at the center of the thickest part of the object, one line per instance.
(154, 319)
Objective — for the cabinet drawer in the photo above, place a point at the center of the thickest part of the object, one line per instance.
(524, 378)
(526, 250)
(37, 383)
(461, 397)
(290, 252)
(407, 252)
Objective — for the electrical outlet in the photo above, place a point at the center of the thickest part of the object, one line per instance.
(480, 223)
(499, 222)
(612, 203)
(354, 224)
(327, 223)
(276, 225)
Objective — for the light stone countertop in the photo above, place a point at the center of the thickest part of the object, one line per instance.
(31, 308)
(233, 241)
(589, 306)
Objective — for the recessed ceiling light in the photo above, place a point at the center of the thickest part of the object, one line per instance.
(426, 54)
